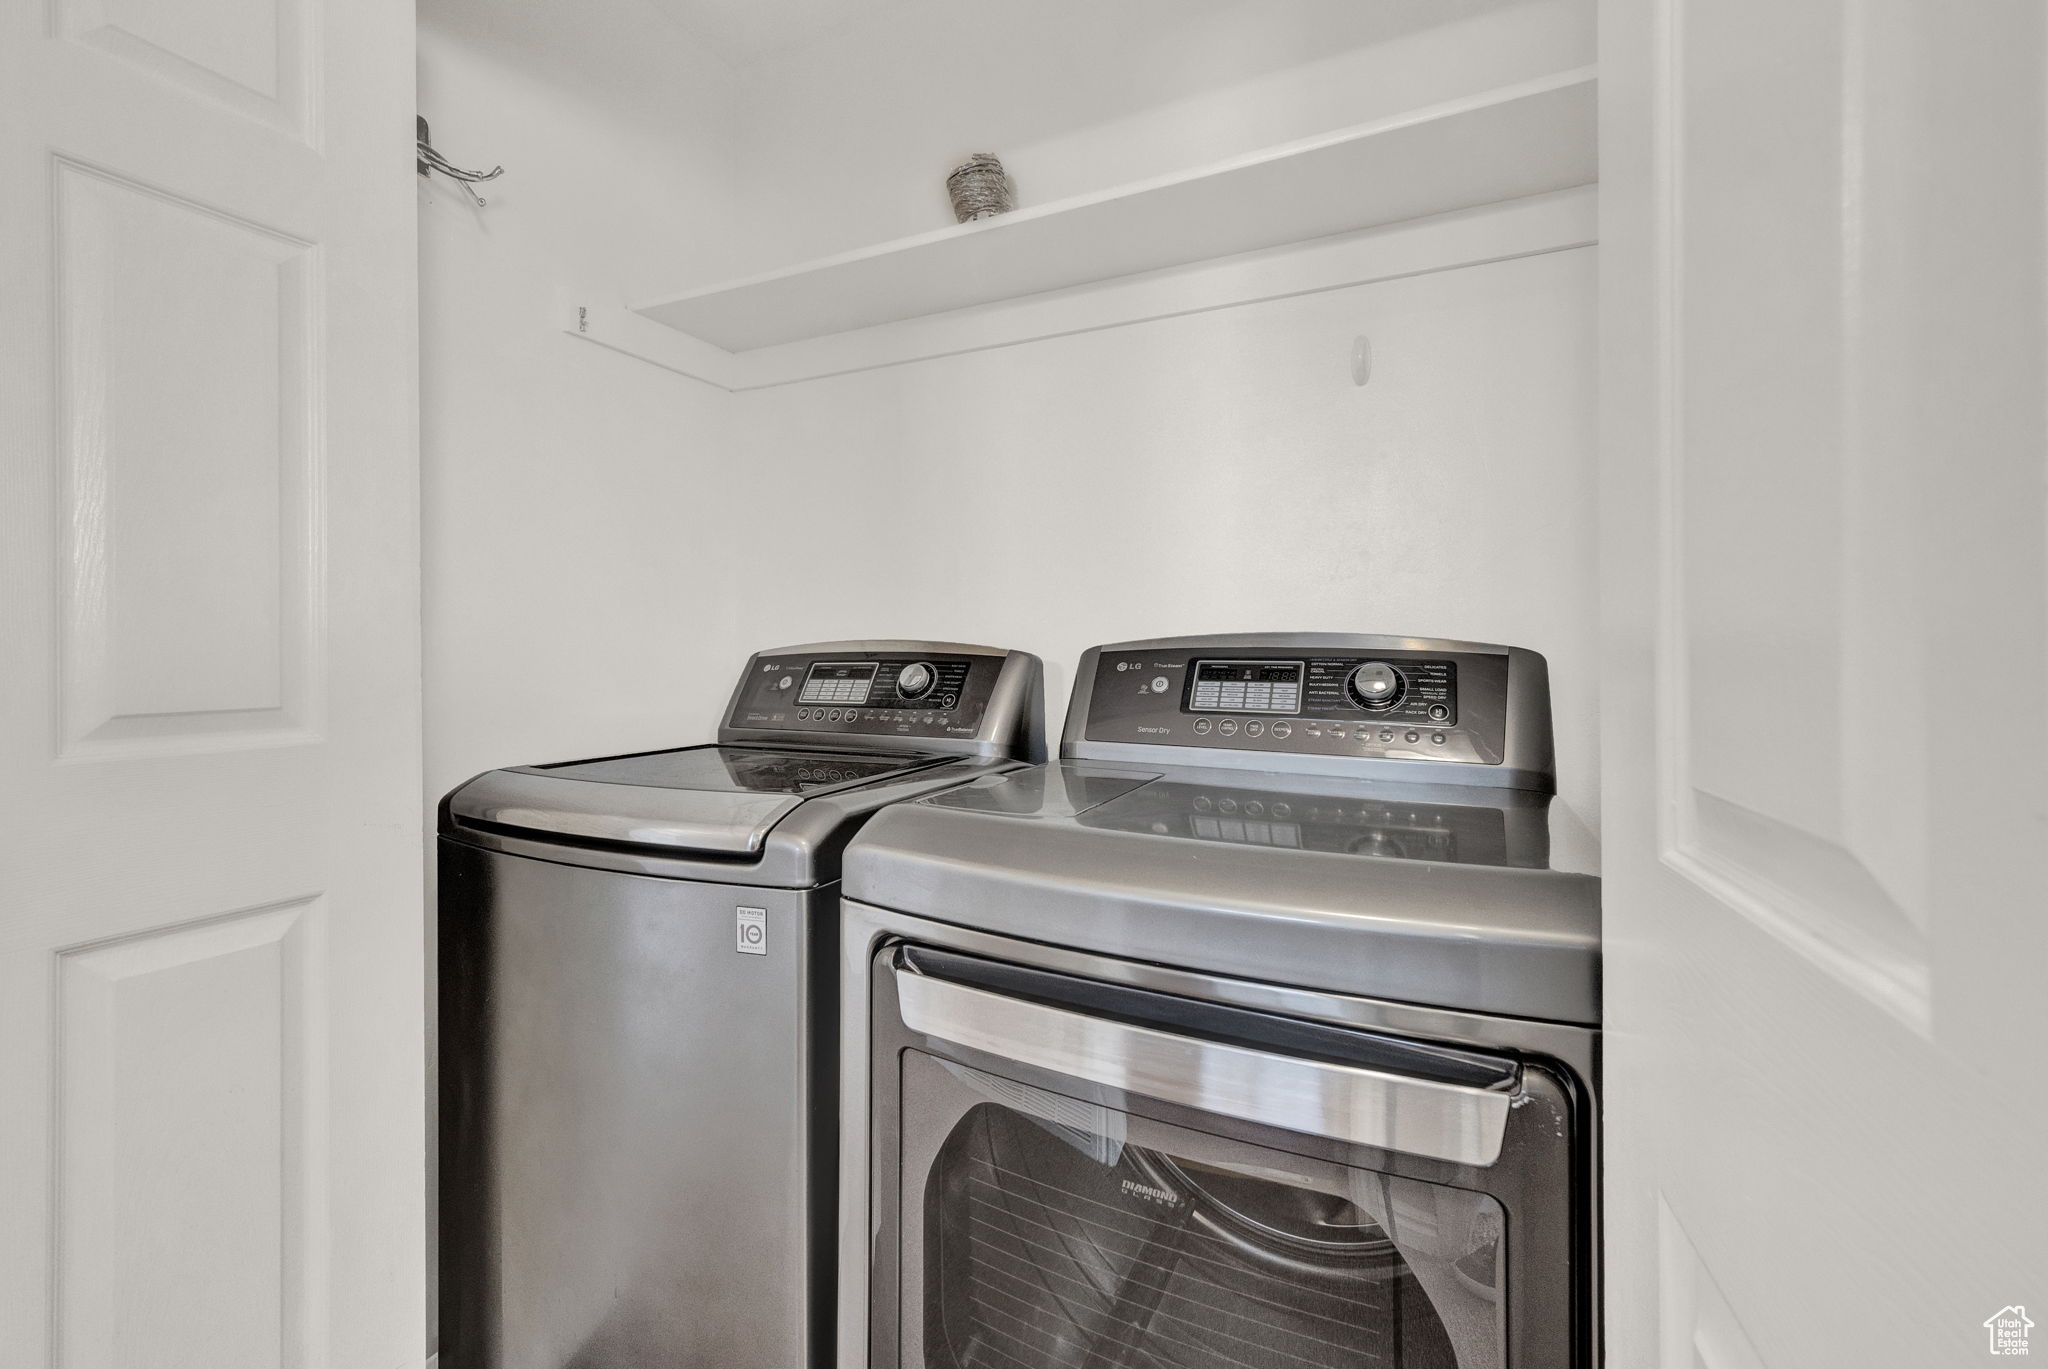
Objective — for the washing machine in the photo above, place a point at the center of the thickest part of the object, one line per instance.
(1260, 1029)
(638, 1011)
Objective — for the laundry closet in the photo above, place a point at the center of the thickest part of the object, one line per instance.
(1696, 348)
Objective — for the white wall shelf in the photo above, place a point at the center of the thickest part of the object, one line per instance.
(1504, 144)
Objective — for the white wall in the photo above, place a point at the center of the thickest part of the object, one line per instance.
(577, 574)
(847, 142)
(1218, 472)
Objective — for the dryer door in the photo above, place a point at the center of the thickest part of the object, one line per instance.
(1077, 1175)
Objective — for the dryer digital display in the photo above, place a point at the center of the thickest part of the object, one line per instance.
(838, 682)
(1245, 687)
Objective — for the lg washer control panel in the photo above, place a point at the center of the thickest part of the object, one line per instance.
(1340, 699)
(906, 691)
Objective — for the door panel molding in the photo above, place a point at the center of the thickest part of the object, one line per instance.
(189, 1143)
(1697, 1328)
(1776, 819)
(189, 445)
(253, 57)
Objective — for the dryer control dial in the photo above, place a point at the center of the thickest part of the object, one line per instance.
(1376, 685)
(915, 680)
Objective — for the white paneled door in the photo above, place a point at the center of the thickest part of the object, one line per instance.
(1826, 790)
(211, 1099)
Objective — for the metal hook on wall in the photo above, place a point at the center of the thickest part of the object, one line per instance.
(430, 160)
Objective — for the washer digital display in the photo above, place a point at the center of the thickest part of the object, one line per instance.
(1245, 686)
(838, 682)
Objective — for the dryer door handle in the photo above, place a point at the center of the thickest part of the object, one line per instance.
(1398, 1112)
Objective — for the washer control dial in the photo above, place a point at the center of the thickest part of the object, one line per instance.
(915, 680)
(1376, 685)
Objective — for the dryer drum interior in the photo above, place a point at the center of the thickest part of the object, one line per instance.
(1048, 1244)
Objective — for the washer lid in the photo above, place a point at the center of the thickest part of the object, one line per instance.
(712, 800)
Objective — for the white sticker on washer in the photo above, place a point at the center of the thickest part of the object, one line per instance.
(753, 930)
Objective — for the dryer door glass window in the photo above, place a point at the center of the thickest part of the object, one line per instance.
(1052, 1232)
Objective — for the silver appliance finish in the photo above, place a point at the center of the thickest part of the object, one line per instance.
(1451, 1122)
(1402, 888)
(781, 840)
(879, 1165)
(638, 1016)
(1433, 883)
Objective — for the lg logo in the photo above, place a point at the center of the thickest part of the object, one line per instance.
(753, 930)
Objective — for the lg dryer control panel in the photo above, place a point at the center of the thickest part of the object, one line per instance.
(1407, 707)
(900, 694)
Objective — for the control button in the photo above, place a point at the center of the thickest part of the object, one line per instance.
(1337, 731)
(1414, 736)
(1376, 843)
(915, 680)
(1255, 728)
(1437, 737)
(1282, 810)
(948, 700)
(1376, 685)
(1283, 730)
(1203, 727)
(1160, 684)
(1315, 729)
(1228, 727)
(1255, 809)
(1226, 805)
(785, 682)
(1386, 734)
(1439, 712)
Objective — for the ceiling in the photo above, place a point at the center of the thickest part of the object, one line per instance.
(747, 31)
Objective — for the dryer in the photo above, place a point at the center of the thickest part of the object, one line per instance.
(638, 1011)
(1256, 1030)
